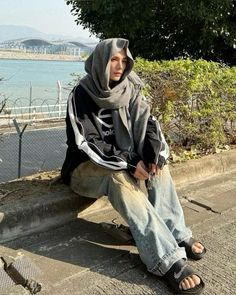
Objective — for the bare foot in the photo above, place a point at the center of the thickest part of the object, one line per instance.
(190, 282)
(197, 247)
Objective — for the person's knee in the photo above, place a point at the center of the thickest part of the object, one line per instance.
(122, 178)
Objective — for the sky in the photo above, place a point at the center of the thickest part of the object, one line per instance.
(47, 16)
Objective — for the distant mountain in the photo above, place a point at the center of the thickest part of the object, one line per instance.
(11, 32)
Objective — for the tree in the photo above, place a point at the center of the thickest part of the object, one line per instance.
(159, 29)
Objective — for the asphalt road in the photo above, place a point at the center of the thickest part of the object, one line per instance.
(42, 150)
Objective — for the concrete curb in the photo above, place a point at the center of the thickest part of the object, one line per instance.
(37, 214)
(194, 170)
(33, 215)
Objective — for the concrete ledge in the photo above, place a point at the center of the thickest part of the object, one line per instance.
(41, 213)
(194, 170)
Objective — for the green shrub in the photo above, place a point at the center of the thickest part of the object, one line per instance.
(195, 101)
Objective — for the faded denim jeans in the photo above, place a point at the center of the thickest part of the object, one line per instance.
(156, 220)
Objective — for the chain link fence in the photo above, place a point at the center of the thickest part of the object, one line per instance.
(32, 137)
(38, 150)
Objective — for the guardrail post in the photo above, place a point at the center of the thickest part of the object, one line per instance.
(20, 134)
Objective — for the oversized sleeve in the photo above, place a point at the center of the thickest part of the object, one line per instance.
(155, 149)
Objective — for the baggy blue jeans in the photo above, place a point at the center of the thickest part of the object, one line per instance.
(155, 219)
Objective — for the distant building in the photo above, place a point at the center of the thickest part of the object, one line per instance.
(36, 45)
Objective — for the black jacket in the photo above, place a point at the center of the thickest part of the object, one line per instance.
(90, 135)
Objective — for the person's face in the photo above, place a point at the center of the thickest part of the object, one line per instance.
(118, 64)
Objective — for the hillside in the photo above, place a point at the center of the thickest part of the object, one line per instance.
(9, 32)
(12, 32)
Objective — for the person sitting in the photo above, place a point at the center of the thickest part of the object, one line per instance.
(113, 143)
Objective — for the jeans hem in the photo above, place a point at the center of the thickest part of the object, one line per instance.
(167, 261)
(187, 238)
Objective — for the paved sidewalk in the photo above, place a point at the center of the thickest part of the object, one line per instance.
(80, 258)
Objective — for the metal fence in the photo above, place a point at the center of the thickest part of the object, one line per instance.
(32, 110)
(37, 150)
(32, 136)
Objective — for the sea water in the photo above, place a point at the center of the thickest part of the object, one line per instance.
(36, 80)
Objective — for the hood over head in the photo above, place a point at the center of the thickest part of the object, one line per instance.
(97, 64)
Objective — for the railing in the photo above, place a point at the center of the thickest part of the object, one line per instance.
(29, 110)
(33, 114)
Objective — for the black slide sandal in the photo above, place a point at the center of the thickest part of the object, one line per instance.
(189, 251)
(177, 273)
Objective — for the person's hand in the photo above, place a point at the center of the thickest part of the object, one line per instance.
(153, 168)
(141, 171)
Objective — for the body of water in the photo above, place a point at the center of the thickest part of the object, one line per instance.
(19, 75)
